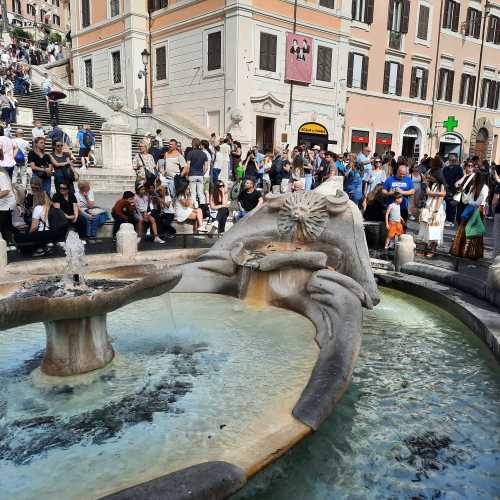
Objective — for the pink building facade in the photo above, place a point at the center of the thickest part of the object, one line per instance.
(424, 77)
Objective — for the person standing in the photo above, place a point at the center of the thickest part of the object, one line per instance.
(196, 166)
(452, 173)
(463, 187)
(40, 163)
(9, 150)
(393, 220)
(364, 164)
(377, 175)
(37, 130)
(402, 184)
(353, 180)
(7, 205)
(85, 140)
(225, 150)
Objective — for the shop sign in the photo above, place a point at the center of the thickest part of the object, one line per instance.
(451, 138)
(313, 129)
(384, 139)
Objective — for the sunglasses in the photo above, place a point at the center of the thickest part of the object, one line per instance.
(59, 145)
(63, 189)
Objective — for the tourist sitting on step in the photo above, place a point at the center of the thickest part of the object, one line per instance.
(145, 206)
(185, 212)
(66, 201)
(124, 211)
(45, 227)
(93, 215)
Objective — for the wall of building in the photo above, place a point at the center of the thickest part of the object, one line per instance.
(26, 20)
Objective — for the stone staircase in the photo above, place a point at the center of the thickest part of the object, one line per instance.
(71, 118)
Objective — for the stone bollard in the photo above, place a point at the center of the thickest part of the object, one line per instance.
(3, 253)
(126, 241)
(494, 282)
(404, 251)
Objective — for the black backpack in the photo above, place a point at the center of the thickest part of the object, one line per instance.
(87, 139)
(57, 220)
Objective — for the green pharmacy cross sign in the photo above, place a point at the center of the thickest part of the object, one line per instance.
(450, 124)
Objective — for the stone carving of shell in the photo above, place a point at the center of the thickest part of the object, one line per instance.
(303, 216)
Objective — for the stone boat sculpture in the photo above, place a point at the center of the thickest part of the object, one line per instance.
(306, 252)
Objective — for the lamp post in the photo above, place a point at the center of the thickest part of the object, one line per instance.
(146, 109)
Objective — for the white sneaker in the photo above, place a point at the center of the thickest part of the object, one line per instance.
(215, 224)
(139, 239)
(203, 229)
(158, 240)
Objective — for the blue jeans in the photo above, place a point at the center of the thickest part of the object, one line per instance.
(308, 182)
(94, 224)
(46, 182)
(215, 174)
(239, 215)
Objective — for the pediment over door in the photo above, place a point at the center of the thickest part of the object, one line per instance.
(267, 103)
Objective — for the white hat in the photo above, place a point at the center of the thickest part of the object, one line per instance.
(316, 148)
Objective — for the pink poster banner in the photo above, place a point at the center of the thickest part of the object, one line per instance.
(299, 57)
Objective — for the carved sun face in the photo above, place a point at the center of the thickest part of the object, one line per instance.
(303, 216)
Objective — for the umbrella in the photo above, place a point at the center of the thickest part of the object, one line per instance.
(56, 95)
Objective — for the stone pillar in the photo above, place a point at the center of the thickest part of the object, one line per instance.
(76, 346)
(404, 251)
(116, 139)
(3, 253)
(126, 241)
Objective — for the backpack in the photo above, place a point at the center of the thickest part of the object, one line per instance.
(57, 220)
(87, 139)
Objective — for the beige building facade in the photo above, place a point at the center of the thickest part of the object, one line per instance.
(424, 77)
(412, 76)
(36, 16)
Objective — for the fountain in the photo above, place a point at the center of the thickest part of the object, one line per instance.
(73, 310)
(249, 353)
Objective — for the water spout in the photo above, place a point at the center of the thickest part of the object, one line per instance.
(75, 251)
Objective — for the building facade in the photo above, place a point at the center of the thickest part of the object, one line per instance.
(220, 64)
(424, 77)
(39, 16)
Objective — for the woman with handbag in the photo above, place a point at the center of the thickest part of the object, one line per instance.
(433, 215)
(464, 186)
(468, 242)
(144, 165)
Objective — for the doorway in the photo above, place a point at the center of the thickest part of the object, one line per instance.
(481, 143)
(411, 143)
(265, 134)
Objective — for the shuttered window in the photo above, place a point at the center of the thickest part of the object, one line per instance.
(329, 4)
(445, 84)
(357, 71)
(489, 94)
(161, 63)
(418, 84)
(423, 22)
(362, 11)
(324, 64)
(451, 15)
(467, 89)
(214, 58)
(157, 5)
(473, 23)
(85, 13)
(493, 33)
(398, 16)
(393, 78)
(268, 45)
(116, 66)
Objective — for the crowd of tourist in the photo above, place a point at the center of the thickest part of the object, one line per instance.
(211, 181)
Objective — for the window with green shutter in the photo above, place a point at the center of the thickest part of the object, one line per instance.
(423, 23)
(324, 64)
(161, 63)
(268, 46)
(214, 59)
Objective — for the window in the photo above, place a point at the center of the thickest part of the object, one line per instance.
(268, 45)
(423, 22)
(157, 5)
(489, 94)
(42, 15)
(214, 56)
(324, 64)
(30, 9)
(16, 6)
(398, 16)
(418, 84)
(114, 8)
(451, 15)
(55, 2)
(393, 78)
(467, 89)
(89, 78)
(493, 34)
(357, 71)
(329, 4)
(473, 23)
(362, 11)
(161, 63)
(445, 84)
(85, 13)
(359, 139)
(116, 61)
(56, 20)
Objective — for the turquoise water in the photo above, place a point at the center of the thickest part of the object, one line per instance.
(420, 420)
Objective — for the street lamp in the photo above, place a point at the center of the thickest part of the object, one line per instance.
(146, 109)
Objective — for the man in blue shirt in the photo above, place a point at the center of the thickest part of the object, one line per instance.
(399, 183)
